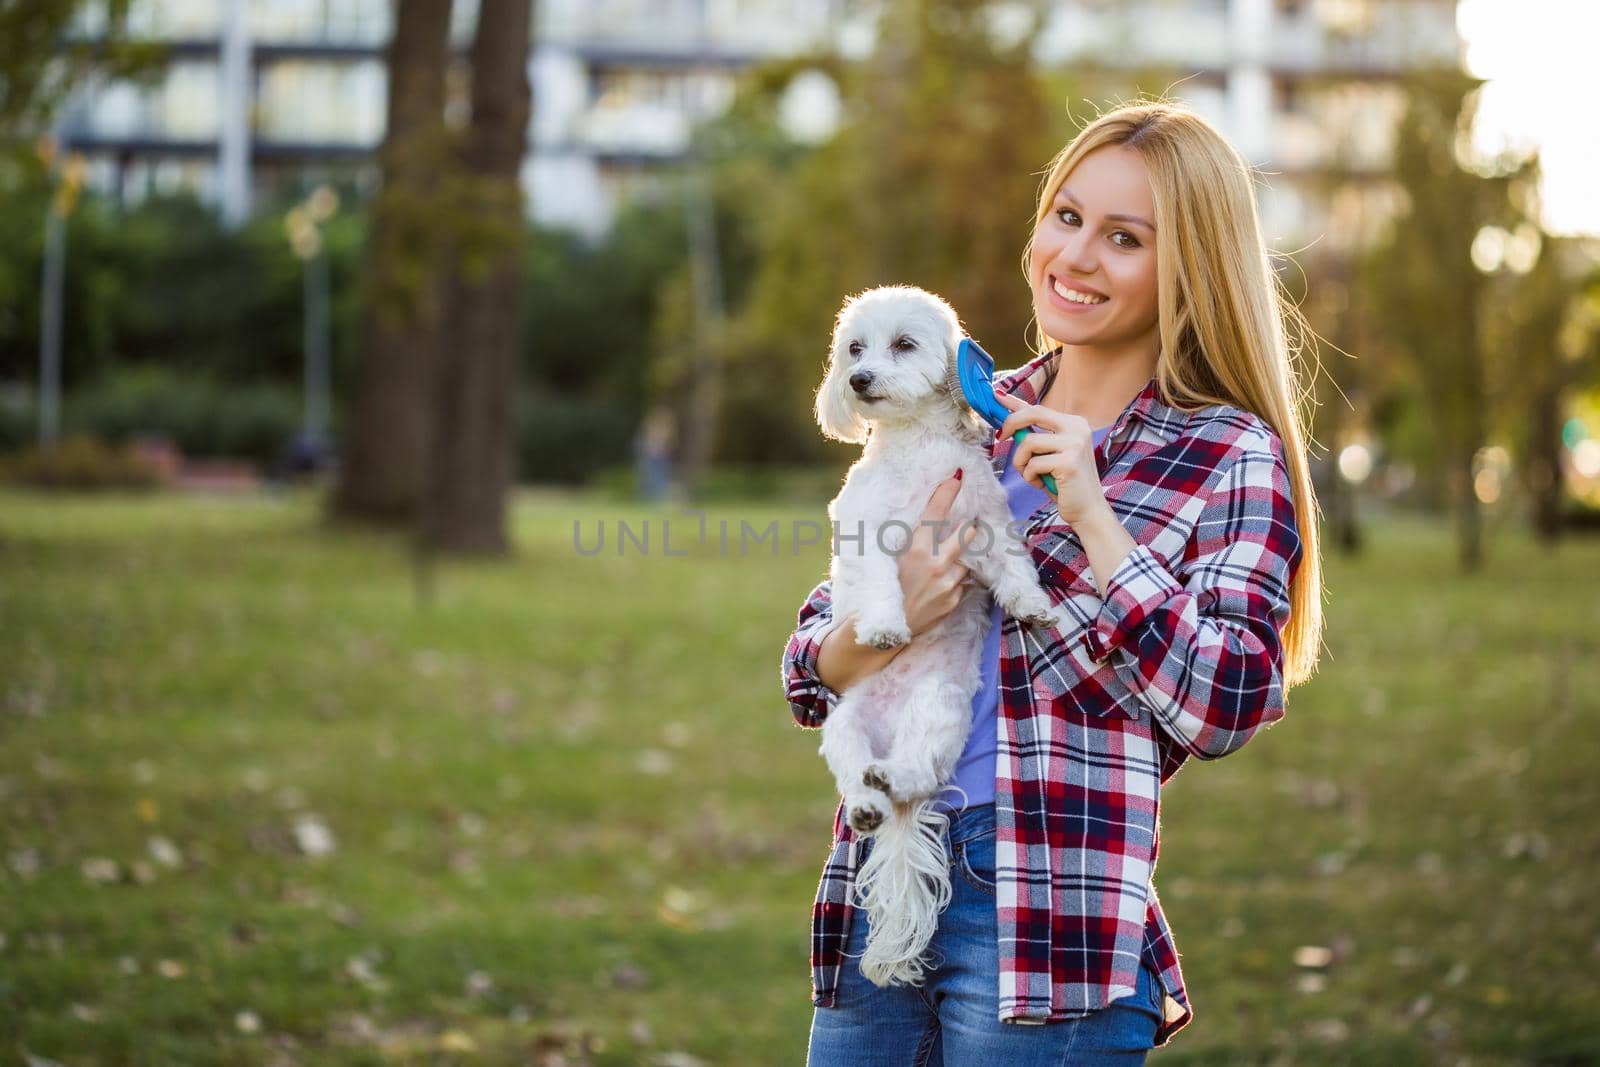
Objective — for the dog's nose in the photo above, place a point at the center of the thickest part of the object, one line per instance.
(860, 380)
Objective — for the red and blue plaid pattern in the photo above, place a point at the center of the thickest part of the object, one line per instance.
(1182, 657)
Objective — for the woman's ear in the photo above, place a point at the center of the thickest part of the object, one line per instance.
(834, 413)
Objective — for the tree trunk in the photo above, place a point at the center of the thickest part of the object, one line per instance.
(472, 462)
(1544, 473)
(387, 437)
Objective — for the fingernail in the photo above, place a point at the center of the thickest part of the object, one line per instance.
(958, 474)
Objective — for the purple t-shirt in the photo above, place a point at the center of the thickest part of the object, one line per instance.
(975, 771)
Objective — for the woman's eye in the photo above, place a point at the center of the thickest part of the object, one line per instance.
(1065, 211)
(1133, 242)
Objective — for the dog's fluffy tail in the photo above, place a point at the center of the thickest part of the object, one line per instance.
(904, 883)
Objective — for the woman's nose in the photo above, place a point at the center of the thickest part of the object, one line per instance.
(1078, 254)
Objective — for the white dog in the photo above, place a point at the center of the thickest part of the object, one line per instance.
(893, 740)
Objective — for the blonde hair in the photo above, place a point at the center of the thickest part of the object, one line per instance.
(1222, 311)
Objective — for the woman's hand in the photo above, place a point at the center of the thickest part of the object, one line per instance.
(931, 580)
(1062, 446)
(932, 576)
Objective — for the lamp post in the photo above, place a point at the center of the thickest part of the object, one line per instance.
(55, 258)
(304, 225)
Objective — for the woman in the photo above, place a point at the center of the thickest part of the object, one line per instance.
(1182, 546)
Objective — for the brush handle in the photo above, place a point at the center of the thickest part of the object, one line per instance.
(1049, 479)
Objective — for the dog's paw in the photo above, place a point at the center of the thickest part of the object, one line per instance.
(902, 782)
(883, 636)
(867, 813)
(1032, 606)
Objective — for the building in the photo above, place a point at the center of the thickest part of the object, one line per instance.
(265, 94)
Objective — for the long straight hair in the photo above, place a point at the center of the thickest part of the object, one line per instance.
(1224, 317)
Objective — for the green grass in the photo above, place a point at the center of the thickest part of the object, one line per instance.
(574, 818)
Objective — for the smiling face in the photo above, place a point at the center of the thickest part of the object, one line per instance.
(1092, 264)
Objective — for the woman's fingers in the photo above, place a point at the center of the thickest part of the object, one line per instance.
(1035, 415)
(1037, 443)
(944, 496)
(947, 545)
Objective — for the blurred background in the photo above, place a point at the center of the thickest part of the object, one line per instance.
(357, 357)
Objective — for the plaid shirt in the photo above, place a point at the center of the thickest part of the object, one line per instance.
(1182, 658)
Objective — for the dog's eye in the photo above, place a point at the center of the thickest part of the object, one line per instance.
(904, 344)
(855, 348)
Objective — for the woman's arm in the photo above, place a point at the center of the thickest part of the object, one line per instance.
(931, 577)
(1201, 649)
(810, 699)
(841, 662)
(822, 659)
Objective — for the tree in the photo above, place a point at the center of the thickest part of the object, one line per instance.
(1425, 290)
(41, 63)
(931, 180)
(1555, 341)
(472, 460)
(386, 444)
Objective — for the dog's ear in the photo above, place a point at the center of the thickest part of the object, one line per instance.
(834, 413)
(838, 419)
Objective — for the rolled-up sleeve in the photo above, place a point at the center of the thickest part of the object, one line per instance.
(809, 699)
(1202, 649)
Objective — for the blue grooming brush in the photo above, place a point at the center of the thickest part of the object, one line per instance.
(971, 381)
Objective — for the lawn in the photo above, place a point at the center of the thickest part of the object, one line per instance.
(265, 803)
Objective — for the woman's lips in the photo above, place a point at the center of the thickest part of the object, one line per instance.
(1057, 300)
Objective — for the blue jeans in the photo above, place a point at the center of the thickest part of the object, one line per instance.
(953, 1017)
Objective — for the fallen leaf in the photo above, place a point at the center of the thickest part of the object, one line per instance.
(627, 976)
(313, 837)
(653, 761)
(457, 1041)
(1330, 1030)
(1313, 956)
(100, 870)
(677, 1059)
(24, 862)
(164, 852)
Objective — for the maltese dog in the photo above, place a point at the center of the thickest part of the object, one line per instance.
(893, 740)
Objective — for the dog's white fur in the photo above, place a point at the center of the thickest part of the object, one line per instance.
(894, 738)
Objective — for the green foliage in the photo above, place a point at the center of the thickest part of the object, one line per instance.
(565, 437)
(18, 423)
(41, 62)
(590, 305)
(79, 463)
(931, 180)
(202, 416)
(166, 283)
(1427, 298)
